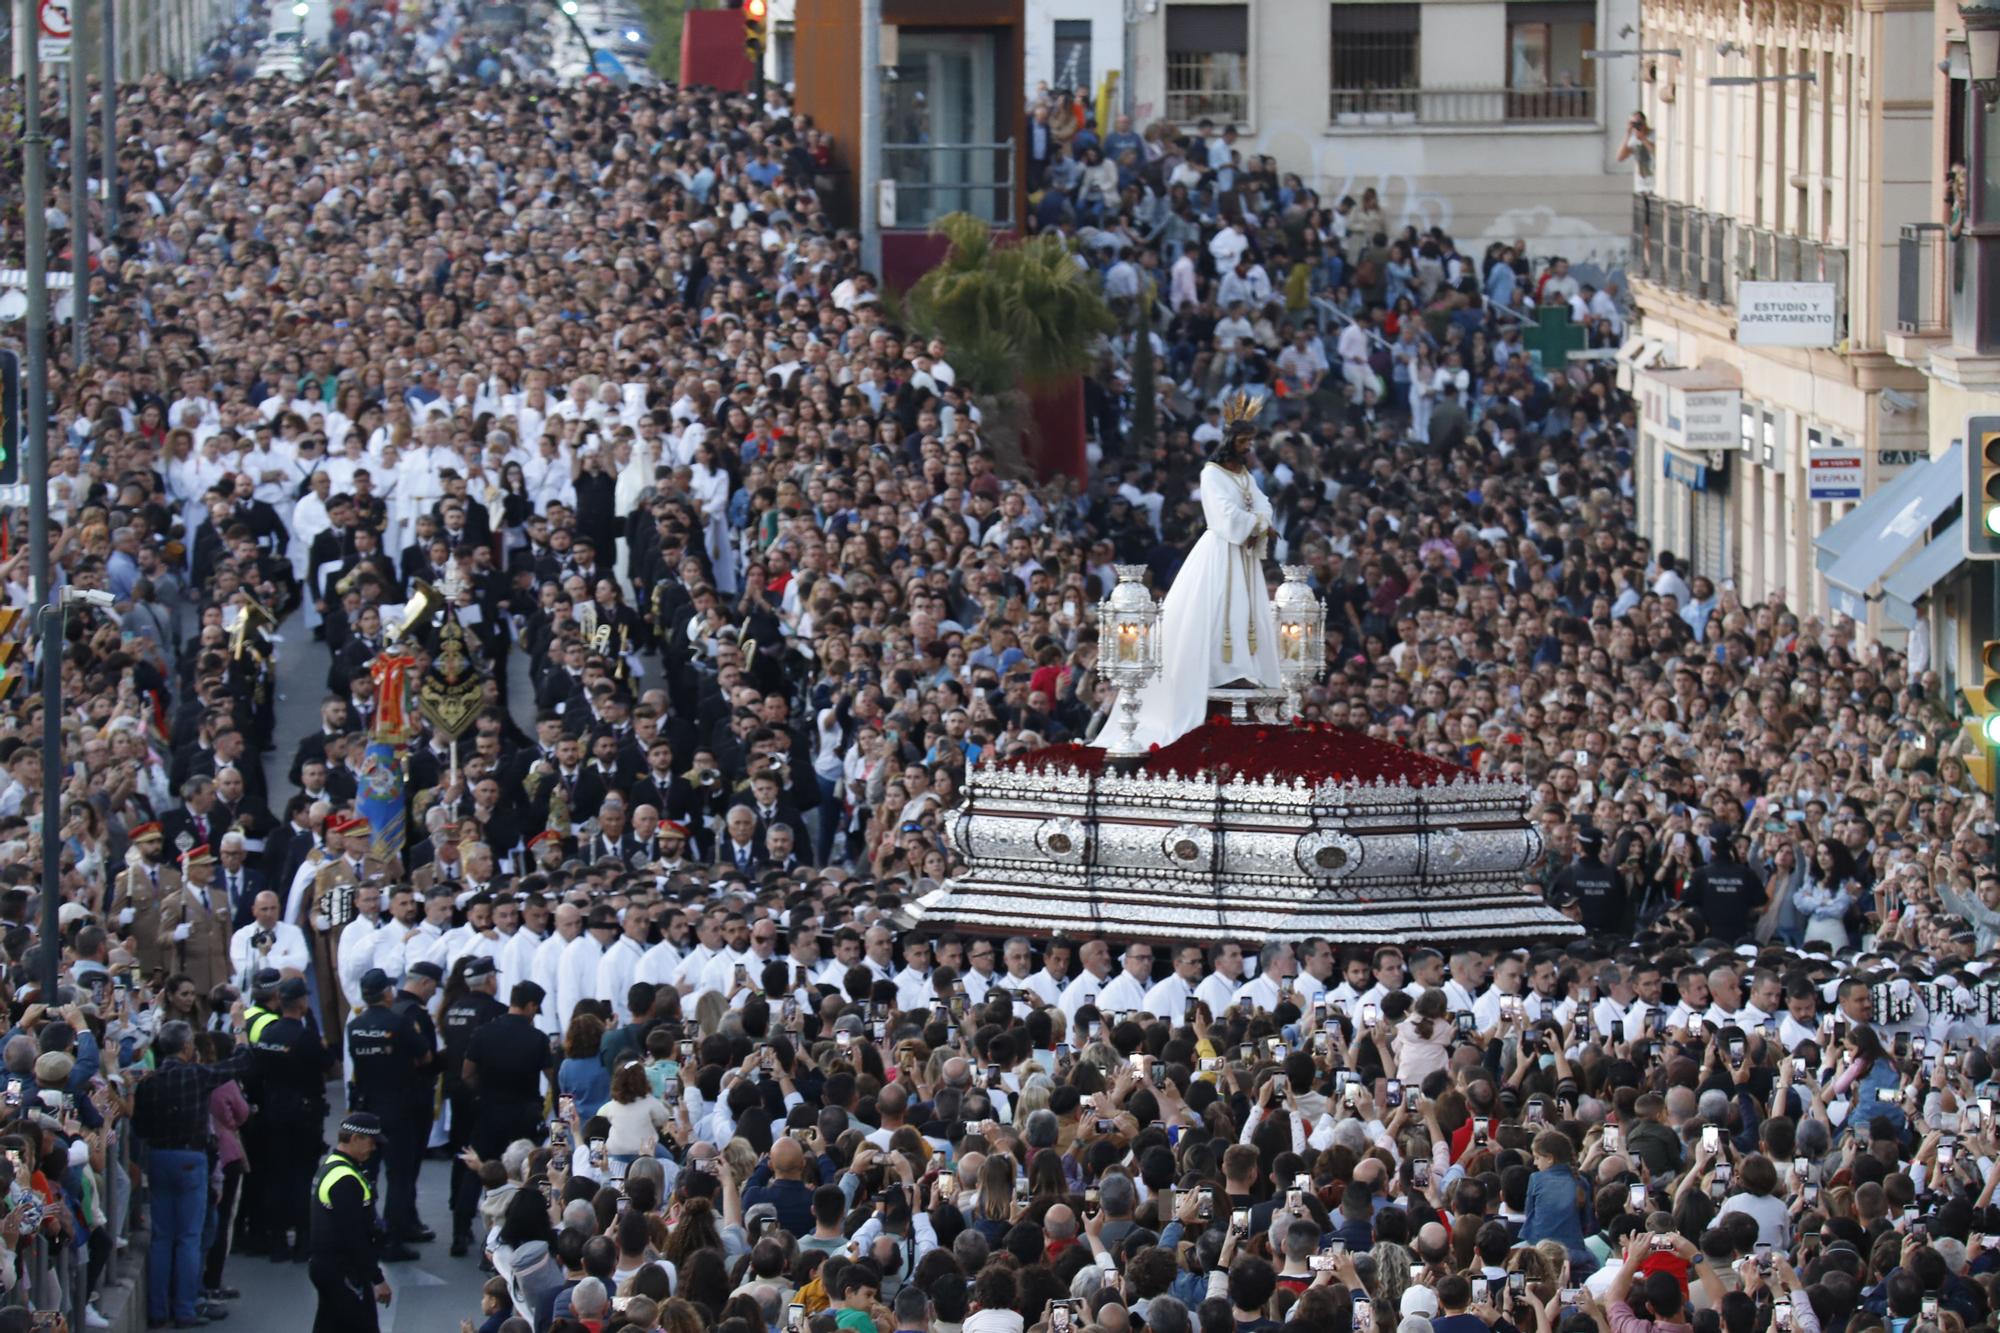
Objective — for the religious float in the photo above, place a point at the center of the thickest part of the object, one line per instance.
(1250, 826)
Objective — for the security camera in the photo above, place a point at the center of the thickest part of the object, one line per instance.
(89, 597)
(1894, 401)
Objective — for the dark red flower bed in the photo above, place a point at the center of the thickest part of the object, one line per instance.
(1314, 751)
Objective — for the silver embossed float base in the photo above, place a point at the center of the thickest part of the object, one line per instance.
(1168, 857)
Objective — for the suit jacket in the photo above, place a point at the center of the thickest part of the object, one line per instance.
(204, 828)
(326, 549)
(725, 858)
(244, 896)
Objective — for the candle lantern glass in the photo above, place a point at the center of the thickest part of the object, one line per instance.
(1128, 638)
(1301, 621)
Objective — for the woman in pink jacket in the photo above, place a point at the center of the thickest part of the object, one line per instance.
(228, 1108)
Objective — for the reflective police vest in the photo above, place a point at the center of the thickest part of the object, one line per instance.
(256, 1020)
(332, 1171)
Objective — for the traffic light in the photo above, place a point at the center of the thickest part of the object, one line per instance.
(754, 14)
(10, 650)
(1985, 720)
(1982, 488)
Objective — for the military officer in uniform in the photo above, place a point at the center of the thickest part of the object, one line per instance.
(198, 921)
(289, 1064)
(346, 1262)
(145, 883)
(403, 1157)
(386, 1050)
(462, 1019)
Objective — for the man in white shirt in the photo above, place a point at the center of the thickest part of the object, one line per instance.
(1096, 958)
(620, 961)
(517, 955)
(1468, 974)
(1725, 992)
(913, 984)
(267, 942)
(1507, 974)
(1126, 992)
(1047, 982)
(707, 947)
(1275, 965)
(1169, 999)
(576, 971)
(762, 946)
(547, 965)
(878, 947)
(1218, 989)
(980, 977)
(353, 952)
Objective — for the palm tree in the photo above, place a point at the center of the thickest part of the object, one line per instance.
(1014, 318)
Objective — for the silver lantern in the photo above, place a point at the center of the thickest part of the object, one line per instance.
(1301, 621)
(1128, 648)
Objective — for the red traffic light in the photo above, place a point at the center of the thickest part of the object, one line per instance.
(754, 10)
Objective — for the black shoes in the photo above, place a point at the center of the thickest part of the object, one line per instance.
(400, 1253)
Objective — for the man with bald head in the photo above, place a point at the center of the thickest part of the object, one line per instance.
(891, 1106)
(267, 942)
(568, 920)
(780, 1180)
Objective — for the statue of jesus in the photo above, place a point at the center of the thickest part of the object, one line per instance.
(1216, 626)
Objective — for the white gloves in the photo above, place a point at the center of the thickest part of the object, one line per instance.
(125, 917)
(182, 931)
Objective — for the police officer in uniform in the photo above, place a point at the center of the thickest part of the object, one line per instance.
(289, 1064)
(1598, 888)
(503, 1067)
(250, 1211)
(387, 1050)
(463, 1018)
(403, 1157)
(347, 1239)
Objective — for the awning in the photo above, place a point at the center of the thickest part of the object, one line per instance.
(1922, 572)
(1857, 551)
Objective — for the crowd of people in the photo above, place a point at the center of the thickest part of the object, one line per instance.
(753, 591)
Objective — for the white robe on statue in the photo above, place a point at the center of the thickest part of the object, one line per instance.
(1216, 624)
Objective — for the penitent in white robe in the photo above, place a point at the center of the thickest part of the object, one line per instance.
(1216, 624)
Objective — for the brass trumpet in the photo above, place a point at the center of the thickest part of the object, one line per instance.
(424, 603)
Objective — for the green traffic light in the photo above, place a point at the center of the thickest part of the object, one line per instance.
(1990, 728)
(1993, 519)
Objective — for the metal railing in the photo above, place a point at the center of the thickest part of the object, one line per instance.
(1376, 108)
(1210, 84)
(1705, 255)
(1920, 278)
(933, 179)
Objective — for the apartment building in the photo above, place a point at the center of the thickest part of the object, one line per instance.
(1487, 117)
(1947, 329)
(1782, 446)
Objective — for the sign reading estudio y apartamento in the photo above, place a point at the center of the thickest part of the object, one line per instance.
(1786, 314)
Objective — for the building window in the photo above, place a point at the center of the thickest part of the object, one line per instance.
(1747, 427)
(1548, 77)
(1374, 63)
(1072, 51)
(1208, 58)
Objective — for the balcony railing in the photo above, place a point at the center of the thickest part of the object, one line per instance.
(1921, 265)
(1378, 108)
(1681, 248)
(1705, 255)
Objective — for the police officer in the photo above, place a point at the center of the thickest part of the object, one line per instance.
(472, 1010)
(403, 1156)
(251, 1222)
(504, 1066)
(386, 1049)
(347, 1238)
(1598, 889)
(289, 1064)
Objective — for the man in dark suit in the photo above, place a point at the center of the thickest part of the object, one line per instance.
(770, 806)
(334, 547)
(243, 882)
(194, 820)
(740, 848)
(266, 528)
(285, 850)
(332, 720)
(229, 751)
